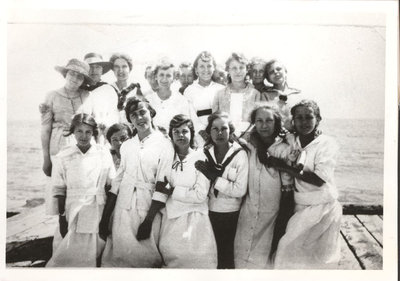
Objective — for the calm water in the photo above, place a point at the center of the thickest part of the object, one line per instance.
(359, 172)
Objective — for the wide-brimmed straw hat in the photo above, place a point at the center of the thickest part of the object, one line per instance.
(78, 66)
(94, 58)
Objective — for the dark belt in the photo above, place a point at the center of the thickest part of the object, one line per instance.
(204, 112)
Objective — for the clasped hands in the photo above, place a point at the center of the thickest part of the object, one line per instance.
(269, 160)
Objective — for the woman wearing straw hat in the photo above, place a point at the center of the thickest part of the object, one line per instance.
(56, 115)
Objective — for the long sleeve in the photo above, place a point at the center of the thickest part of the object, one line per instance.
(215, 104)
(235, 177)
(116, 182)
(195, 194)
(58, 180)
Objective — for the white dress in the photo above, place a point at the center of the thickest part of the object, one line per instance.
(187, 238)
(143, 163)
(260, 209)
(167, 109)
(81, 177)
(312, 238)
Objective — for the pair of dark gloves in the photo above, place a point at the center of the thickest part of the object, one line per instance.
(210, 171)
(268, 160)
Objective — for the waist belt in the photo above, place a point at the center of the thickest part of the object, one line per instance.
(204, 112)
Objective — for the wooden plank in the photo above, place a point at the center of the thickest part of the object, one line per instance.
(357, 209)
(43, 229)
(365, 247)
(374, 225)
(26, 220)
(347, 259)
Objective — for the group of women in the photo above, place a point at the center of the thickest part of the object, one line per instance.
(210, 176)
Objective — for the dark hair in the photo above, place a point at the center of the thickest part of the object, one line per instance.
(116, 128)
(179, 120)
(268, 67)
(275, 112)
(126, 57)
(132, 105)
(204, 56)
(219, 115)
(83, 118)
(239, 58)
(307, 103)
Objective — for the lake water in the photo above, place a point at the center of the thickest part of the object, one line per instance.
(359, 172)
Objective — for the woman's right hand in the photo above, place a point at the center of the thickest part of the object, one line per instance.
(62, 220)
(103, 230)
(47, 165)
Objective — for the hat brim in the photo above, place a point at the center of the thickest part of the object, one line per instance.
(63, 70)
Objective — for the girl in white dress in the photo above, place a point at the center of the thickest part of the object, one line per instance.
(145, 160)
(312, 238)
(187, 238)
(260, 208)
(80, 175)
(227, 168)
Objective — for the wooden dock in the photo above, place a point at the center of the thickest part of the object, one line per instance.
(30, 236)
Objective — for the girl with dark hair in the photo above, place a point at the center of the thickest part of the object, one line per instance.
(261, 206)
(312, 238)
(239, 96)
(227, 169)
(116, 135)
(187, 238)
(80, 175)
(280, 93)
(146, 162)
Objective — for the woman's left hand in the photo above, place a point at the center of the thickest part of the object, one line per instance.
(276, 162)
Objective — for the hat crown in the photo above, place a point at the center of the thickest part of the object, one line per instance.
(91, 58)
(78, 66)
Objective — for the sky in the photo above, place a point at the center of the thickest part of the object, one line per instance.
(336, 58)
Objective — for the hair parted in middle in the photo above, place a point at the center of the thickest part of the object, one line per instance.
(219, 115)
(179, 120)
(117, 127)
(83, 118)
(125, 57)
(236, 57)
(278, 129)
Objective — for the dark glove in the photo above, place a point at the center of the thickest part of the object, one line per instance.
(144, 229)
(161, 186)
(103, 230)
(62, 220)
(276, 162)
(263, 156)
(209, 170)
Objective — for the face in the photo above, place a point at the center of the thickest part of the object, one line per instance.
(141, 118)
(305, 120)
(121, 69)
(257, 73)
(265, 122)
(220, 131)
(237, 71)
(151, 79)
(186, 76)
(205, 70)
(181, 136)
(95, 72)
(118, 138)
(83, 134)
(277, 74)
(73, 80)
(165, 77)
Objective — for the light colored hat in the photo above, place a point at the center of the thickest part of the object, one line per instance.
(94, 58)
(77, 66)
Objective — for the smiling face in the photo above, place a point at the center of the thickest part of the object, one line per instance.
(73, 80)
(265, 122)
(257, 73)
(165, 77)
(117, 139)
(141, 118)
(220, 131)
(277, 74)
(305, 120)
(83, 134)
(237, 71)
(95, 72)
(181, 136)
(121, 69)
(205, 70)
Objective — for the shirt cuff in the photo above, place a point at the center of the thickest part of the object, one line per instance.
(161, 197)
(221, 183)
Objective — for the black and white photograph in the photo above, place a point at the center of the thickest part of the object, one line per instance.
(240, 140)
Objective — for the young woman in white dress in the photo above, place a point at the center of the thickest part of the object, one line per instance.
(187, 238)
(80, 175)
(312, 238)
(260, 207)
(145, 160)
